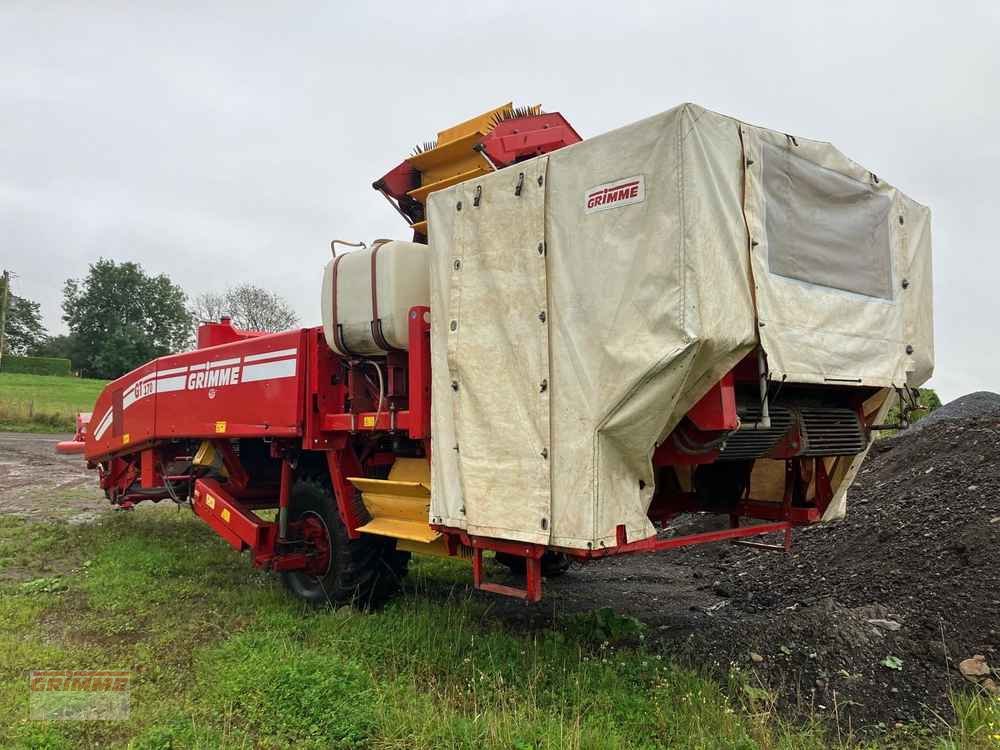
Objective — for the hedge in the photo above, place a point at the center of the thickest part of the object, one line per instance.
(36, 365)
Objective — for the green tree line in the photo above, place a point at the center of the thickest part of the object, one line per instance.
(119, 317)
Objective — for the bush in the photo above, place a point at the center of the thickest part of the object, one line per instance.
(36, 365)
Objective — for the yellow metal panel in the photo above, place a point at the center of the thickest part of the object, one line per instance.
(208, 457)
(389, 487)
(397, 506)
(411, 470)
(448, 160)
(421, 193)
(410, 530)
(480, 124)
(205, 455)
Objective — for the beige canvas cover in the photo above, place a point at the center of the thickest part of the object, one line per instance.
(583, 301)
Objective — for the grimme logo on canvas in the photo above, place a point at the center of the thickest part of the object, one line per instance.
(614, 194)
(79, 694)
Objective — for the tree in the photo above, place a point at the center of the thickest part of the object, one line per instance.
(24, 326)
(208, 307)
(120, 317)
(56, 346)
(250, 307)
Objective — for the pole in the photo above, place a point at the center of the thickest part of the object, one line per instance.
(4, 300)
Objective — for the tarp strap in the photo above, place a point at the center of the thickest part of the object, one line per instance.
(338, 329)
(376, 324)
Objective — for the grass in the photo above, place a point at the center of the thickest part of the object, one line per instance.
(44, 403)
(221, 657)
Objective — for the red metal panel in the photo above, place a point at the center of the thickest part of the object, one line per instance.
(235, 523)
(342, 463)
(367, 421)
(149, 475)
(420, 373)
(717, 408)
(250, 388)
(209, 503)
(528, 136)
(124, 415)
(325, 389)
(214, 334)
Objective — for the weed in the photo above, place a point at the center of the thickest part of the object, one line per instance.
(602, 625)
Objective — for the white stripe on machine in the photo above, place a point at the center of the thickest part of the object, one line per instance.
(282, 368)
(103, 425)
(224, 363)
(167, 385)
(281, 353)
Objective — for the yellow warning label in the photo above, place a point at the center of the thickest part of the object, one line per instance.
(368, 421)
(220, 426)
(210, 501)
(126, 439)
(225, 514)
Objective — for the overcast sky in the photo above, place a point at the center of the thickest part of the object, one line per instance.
(228, 142)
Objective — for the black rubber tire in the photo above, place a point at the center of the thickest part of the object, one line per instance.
(554, 564)
(362, 572)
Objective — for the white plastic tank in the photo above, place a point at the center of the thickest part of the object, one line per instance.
(367, 296)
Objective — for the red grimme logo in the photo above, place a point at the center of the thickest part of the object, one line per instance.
(79, 680)
(613, 194)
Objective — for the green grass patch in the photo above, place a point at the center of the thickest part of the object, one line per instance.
(44, 403)
(222, 657)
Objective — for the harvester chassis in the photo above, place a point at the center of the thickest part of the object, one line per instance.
(227, 478)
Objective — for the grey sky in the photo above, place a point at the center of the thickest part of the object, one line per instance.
(222, 143)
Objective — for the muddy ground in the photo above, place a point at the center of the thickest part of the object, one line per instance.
(865, 622)
(38, 484)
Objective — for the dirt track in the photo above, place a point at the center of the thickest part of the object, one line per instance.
(38, 484)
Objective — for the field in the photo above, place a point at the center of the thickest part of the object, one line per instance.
(44, 403)
(221, 657)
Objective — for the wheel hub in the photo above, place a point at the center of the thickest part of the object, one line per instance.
(317, 536)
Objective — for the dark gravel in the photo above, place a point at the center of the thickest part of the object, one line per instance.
(912, 574)
(981, 404)
(867, 619)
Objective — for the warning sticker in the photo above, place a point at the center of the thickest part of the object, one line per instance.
(220, 426)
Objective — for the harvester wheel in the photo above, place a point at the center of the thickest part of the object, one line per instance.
(363, 572)
(554, 564)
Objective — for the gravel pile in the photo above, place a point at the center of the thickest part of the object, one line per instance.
(872, 616)
(981, 404)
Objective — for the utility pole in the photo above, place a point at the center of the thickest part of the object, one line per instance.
(4, 301)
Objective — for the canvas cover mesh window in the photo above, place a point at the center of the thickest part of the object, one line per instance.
(824, 227)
